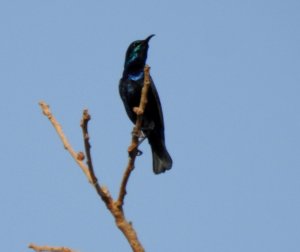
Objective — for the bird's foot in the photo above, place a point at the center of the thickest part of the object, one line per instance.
(138, 134)
(133, 150)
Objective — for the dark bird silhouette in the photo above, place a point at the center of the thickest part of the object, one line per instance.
(130, 88)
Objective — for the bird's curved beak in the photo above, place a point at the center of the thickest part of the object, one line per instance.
(148, 38)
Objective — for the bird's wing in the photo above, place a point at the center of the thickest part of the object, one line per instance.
(126, 96)
(159, 119)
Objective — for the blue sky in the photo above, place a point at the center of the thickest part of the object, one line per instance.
(228, 76)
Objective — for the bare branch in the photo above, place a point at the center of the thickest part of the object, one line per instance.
(48, 248)
(86, 138)
(47, 112)
(102, 192)
(132, 149)
(115, 207)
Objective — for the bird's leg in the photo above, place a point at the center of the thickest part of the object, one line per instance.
(145, 132)
(141, 137)
(136, 133)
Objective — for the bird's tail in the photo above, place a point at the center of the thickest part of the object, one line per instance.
(162, 160)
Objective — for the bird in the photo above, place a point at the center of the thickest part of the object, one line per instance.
(130, 87)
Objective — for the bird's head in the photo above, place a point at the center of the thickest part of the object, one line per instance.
(136, 55)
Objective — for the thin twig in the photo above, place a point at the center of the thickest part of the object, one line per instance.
(84, 125)
(48, 248)
(132, 150)
(47, 112)
(102, 191)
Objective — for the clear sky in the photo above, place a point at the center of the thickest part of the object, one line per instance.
(228, 76)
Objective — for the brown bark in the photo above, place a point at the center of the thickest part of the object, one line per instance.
(114, 206)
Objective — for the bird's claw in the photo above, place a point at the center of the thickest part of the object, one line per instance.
(141, 135)
(133, 150)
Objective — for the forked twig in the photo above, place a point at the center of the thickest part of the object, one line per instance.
(47, 112)
(115, 207)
